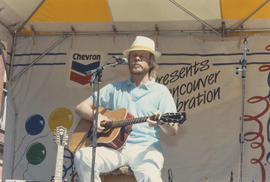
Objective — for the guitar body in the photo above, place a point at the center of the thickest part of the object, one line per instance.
(113, 138)
(117, 128)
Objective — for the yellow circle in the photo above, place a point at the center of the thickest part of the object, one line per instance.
(61, 117)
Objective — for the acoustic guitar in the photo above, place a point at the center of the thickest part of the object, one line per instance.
(117, 129)
(61, 138)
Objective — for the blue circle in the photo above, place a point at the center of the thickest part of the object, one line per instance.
(34, 124)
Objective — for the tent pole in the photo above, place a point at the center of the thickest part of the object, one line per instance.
(54, 44)
(11, 66)
(11, 60)
(31, 15)
(232, 29)
(12, 101)
(195, 17)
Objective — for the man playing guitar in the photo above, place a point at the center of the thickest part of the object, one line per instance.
(141, 96)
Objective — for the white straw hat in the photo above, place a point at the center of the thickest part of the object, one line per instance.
(142, 43)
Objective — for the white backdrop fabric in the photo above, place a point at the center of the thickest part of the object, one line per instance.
(201, 75)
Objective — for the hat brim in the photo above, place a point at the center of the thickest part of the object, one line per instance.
(155, 53)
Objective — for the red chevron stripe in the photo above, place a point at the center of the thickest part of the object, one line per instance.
(83, 80)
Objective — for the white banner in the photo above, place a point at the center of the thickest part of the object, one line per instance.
(202, 77)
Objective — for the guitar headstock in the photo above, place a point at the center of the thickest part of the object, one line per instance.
(178, 118)
(61, 136)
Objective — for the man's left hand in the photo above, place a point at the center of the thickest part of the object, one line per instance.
(153, 123)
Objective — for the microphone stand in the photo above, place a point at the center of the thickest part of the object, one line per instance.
(241, 137)
(96, 79)
(96, 76)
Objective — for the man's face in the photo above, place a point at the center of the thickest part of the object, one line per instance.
(139, 62)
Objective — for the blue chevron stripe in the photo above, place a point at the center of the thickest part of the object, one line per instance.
(81, 68)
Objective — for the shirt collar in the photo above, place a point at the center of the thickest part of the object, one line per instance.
(144, 86)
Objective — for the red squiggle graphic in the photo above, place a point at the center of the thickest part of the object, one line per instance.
(256, 145)
(256, 99)
(267, 47)
(264, 68)
(255, 136)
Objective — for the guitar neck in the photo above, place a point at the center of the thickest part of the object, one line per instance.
(122, 123)
(59, 164)
(164, 118)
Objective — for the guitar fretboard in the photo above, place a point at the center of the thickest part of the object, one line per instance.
(59, 164)
(164, 118)
(122, 123)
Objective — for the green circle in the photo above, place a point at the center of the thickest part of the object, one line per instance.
(36, 153)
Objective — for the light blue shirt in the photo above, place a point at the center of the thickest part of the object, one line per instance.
(140, 101)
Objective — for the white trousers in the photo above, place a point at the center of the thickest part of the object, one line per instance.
(146, 162)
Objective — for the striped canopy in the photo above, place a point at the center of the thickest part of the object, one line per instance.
(116, 16)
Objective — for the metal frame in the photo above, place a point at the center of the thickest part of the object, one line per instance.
(210, 29)
(51, 47)
(11, 60)
(32, 14)
(156, 31)
(144, 32)
(14, 34)
(233, 28)
(6, 26)
(195, 17)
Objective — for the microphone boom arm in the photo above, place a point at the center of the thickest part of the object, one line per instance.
(119, 61)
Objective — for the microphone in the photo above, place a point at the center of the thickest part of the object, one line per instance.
(120, 60)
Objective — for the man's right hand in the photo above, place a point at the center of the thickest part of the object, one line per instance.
(101, 118)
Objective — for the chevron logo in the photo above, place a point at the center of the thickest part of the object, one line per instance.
(79, 72)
